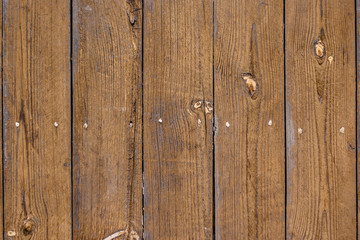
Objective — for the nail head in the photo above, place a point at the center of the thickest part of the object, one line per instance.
(330, 59)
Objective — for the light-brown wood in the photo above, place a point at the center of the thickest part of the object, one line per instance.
(107, 119)
(320, 103)
(37, 155)
(249, 110)
(178, 119)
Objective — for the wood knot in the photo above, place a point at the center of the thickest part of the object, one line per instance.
(251, 85)
(132, 19)
(132, 11)
(197, 104)
(28, 226)
(319, 48)
(208, 107)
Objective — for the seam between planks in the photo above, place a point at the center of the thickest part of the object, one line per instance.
(142, 117)
(2, 119)
(71, 117)
(356, 115)
(285, 123)
(213, 130)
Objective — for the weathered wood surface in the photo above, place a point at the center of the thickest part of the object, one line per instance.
(320, 114)
(249, 110)
(36, 93)
(178, 119)
(357, 17)
(1, 129)
(107, 123)
(154, 119)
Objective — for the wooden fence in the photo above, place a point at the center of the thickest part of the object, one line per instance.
(179, 119)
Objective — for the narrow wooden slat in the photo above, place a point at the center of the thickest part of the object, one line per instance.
(178, 122)
(249, 109)
(37, 159)
(358, 110)
(1, 127)
(107, 119)
(320, 114)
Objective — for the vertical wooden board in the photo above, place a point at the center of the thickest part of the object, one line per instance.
(178, 123)
(107, 119)
(249, 110)
(37, 154)
(320, 90)
(1, 127)
(358, 110)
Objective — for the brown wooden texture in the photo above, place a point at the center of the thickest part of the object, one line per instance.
(37, 154)
(320, 103)
(107, 119)
(178, 119)
(358, 110)
(1, 127)
(249, 110)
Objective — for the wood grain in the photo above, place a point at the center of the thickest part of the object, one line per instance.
(178, 119)
(37, 155)
(249, 110)
(357, 17)
(321, 131)
(107, 119)
(1, 128)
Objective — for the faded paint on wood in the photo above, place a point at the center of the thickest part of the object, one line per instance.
(37, 159)
(107, 119)
(178, 119)
(249, 110)
(320, 114)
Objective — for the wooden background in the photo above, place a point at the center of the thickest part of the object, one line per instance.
(179, 119)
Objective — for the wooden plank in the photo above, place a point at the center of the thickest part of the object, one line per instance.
(357, 17)
(321, 131)
(178, 119)
(37, 154)
(249, 110)
(1, 127)
(107, 119)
